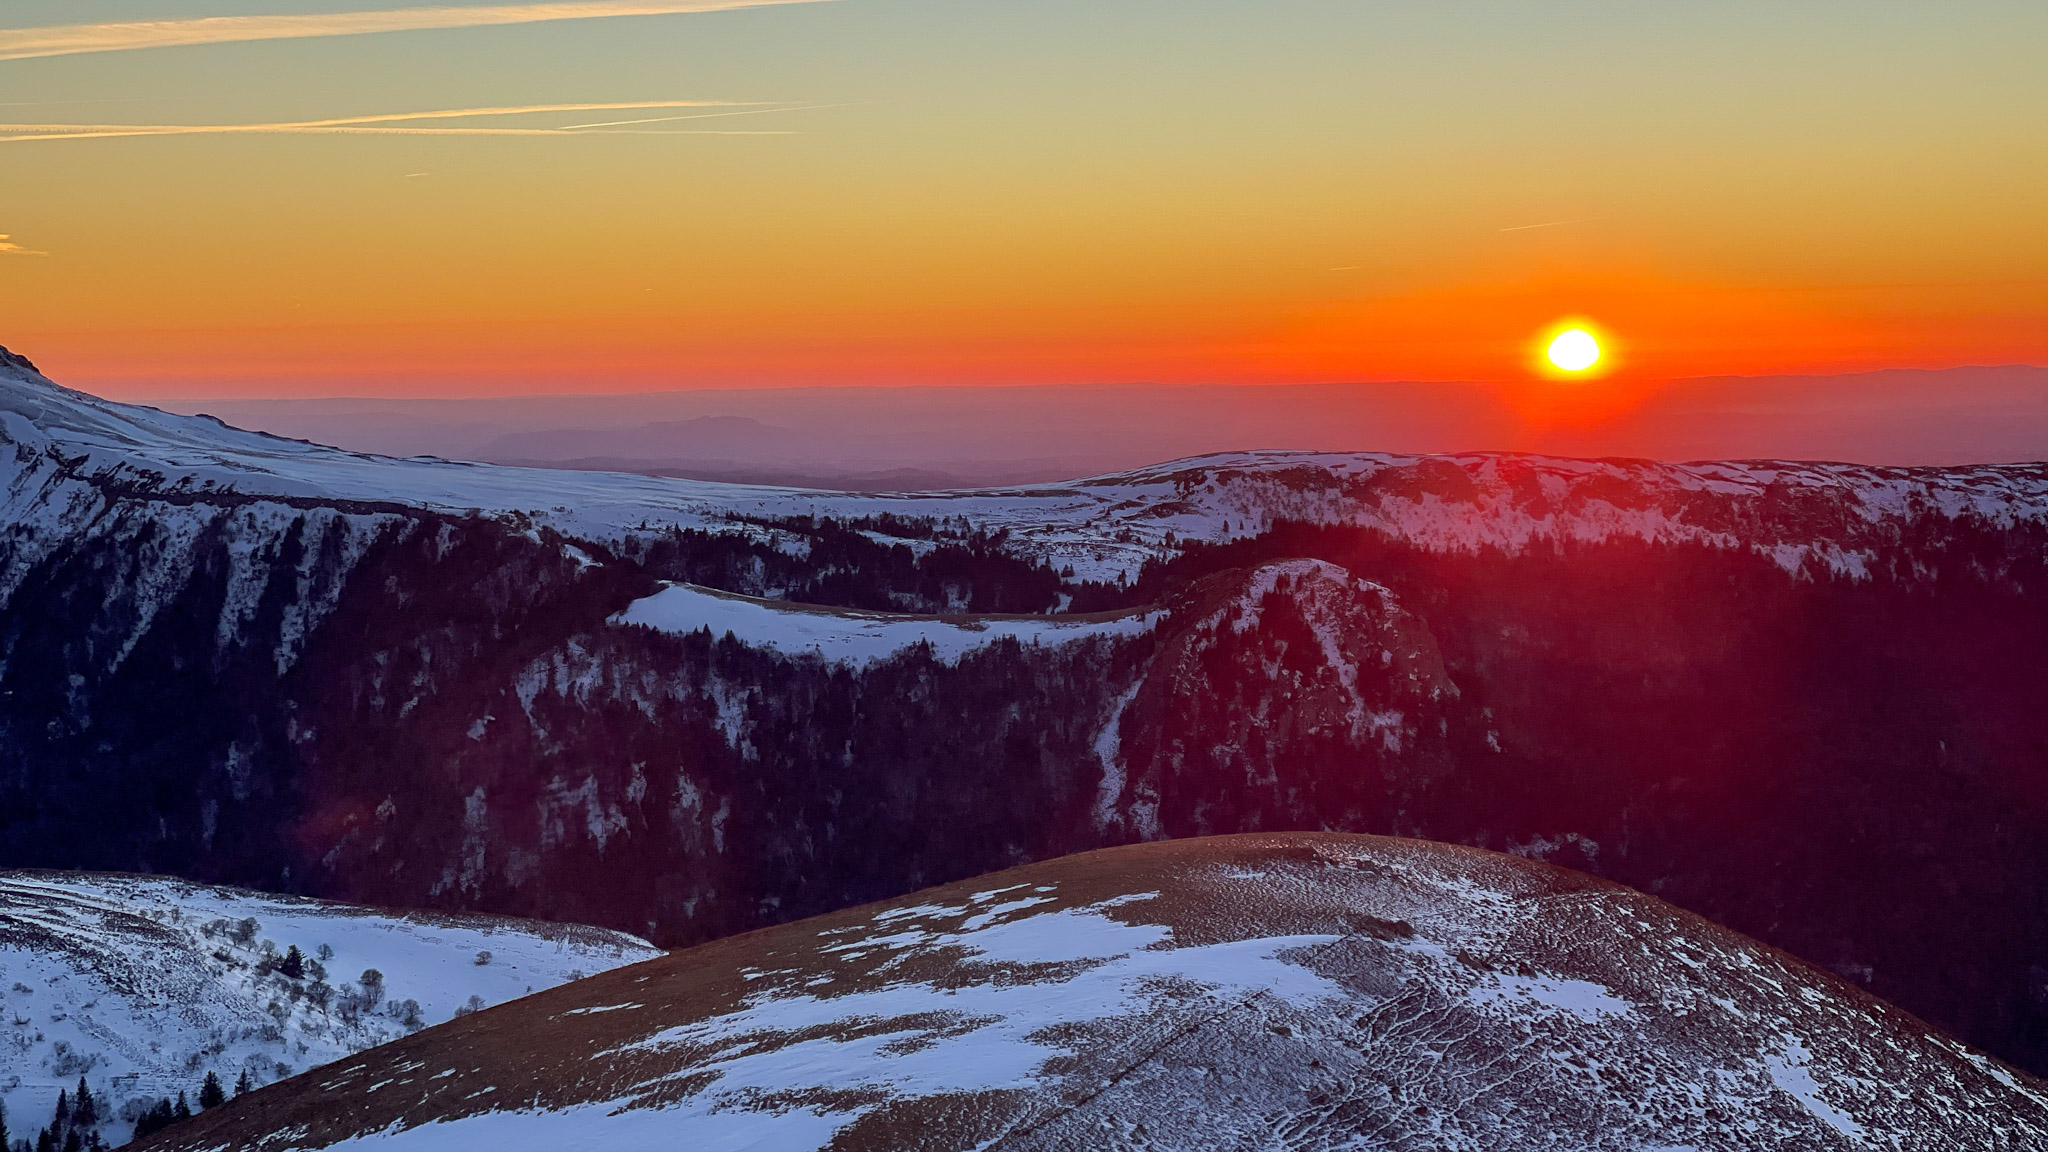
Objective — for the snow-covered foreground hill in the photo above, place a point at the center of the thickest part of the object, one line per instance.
(1308, 991)
(142, 986)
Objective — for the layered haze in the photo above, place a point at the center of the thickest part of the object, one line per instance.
(777, 479)
(286, 198)
(914, 438)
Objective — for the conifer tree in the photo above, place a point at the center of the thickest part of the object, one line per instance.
(242, 1084)
(159, 1117)
(293, 964)
(3, 1128)
(73, 1142)
(63, 1115)
(184, 1108)
(211, 1094)
(86, 1112)
(45, 1141)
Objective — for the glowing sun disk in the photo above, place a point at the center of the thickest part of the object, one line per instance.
(1574, 350)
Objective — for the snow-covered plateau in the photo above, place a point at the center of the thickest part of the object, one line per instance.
(141, 986)
(1305, 991)
(1102, 528)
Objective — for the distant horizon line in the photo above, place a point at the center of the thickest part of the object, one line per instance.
(1010, 386)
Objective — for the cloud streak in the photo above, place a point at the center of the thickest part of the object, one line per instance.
(404, 123)
(73, 39)
(9, 248)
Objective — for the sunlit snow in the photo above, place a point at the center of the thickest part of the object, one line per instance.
(852, 637)
(144, 985)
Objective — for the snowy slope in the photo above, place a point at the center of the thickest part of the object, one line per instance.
(1307, 991)
(845, 636)
(143, 985)
(1104, 527)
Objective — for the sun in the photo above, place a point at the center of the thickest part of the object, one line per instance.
(1573, 350)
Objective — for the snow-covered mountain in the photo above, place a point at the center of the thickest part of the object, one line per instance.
(1800, 699)
(71, 447)
(1301, 991)
(141, 986)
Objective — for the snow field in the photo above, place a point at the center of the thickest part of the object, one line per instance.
(143, 985)
(846, 636)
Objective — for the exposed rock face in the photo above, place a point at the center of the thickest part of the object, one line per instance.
(1306, 991)
(1803, 700)
(1289, 695)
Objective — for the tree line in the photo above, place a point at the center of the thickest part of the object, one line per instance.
(76, 1124)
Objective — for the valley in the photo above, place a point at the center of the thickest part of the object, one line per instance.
(1798, 699)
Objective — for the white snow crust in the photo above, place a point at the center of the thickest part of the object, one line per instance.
(852, 637)
(1005, 1033)
(995, 1035)
(143, 985)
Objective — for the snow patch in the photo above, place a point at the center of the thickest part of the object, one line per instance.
(1791, 1074)
(636, 1130)
(1582, 998)
(856, 638)
(913, 1039)
(1109, 752)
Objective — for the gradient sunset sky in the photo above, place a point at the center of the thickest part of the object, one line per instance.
(1011, 191)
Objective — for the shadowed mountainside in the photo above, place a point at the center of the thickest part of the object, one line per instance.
(1800, 699)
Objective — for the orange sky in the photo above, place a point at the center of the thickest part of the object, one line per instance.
(1049, 192)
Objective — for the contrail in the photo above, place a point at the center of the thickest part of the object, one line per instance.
(70, 39)
(698, 116)
(393, 123)
(387, 130)
(1545, 224)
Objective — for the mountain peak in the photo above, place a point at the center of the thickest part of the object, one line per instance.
(10, 359)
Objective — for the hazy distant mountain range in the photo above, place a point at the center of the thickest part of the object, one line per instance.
(910, 438)
(1802, 700)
